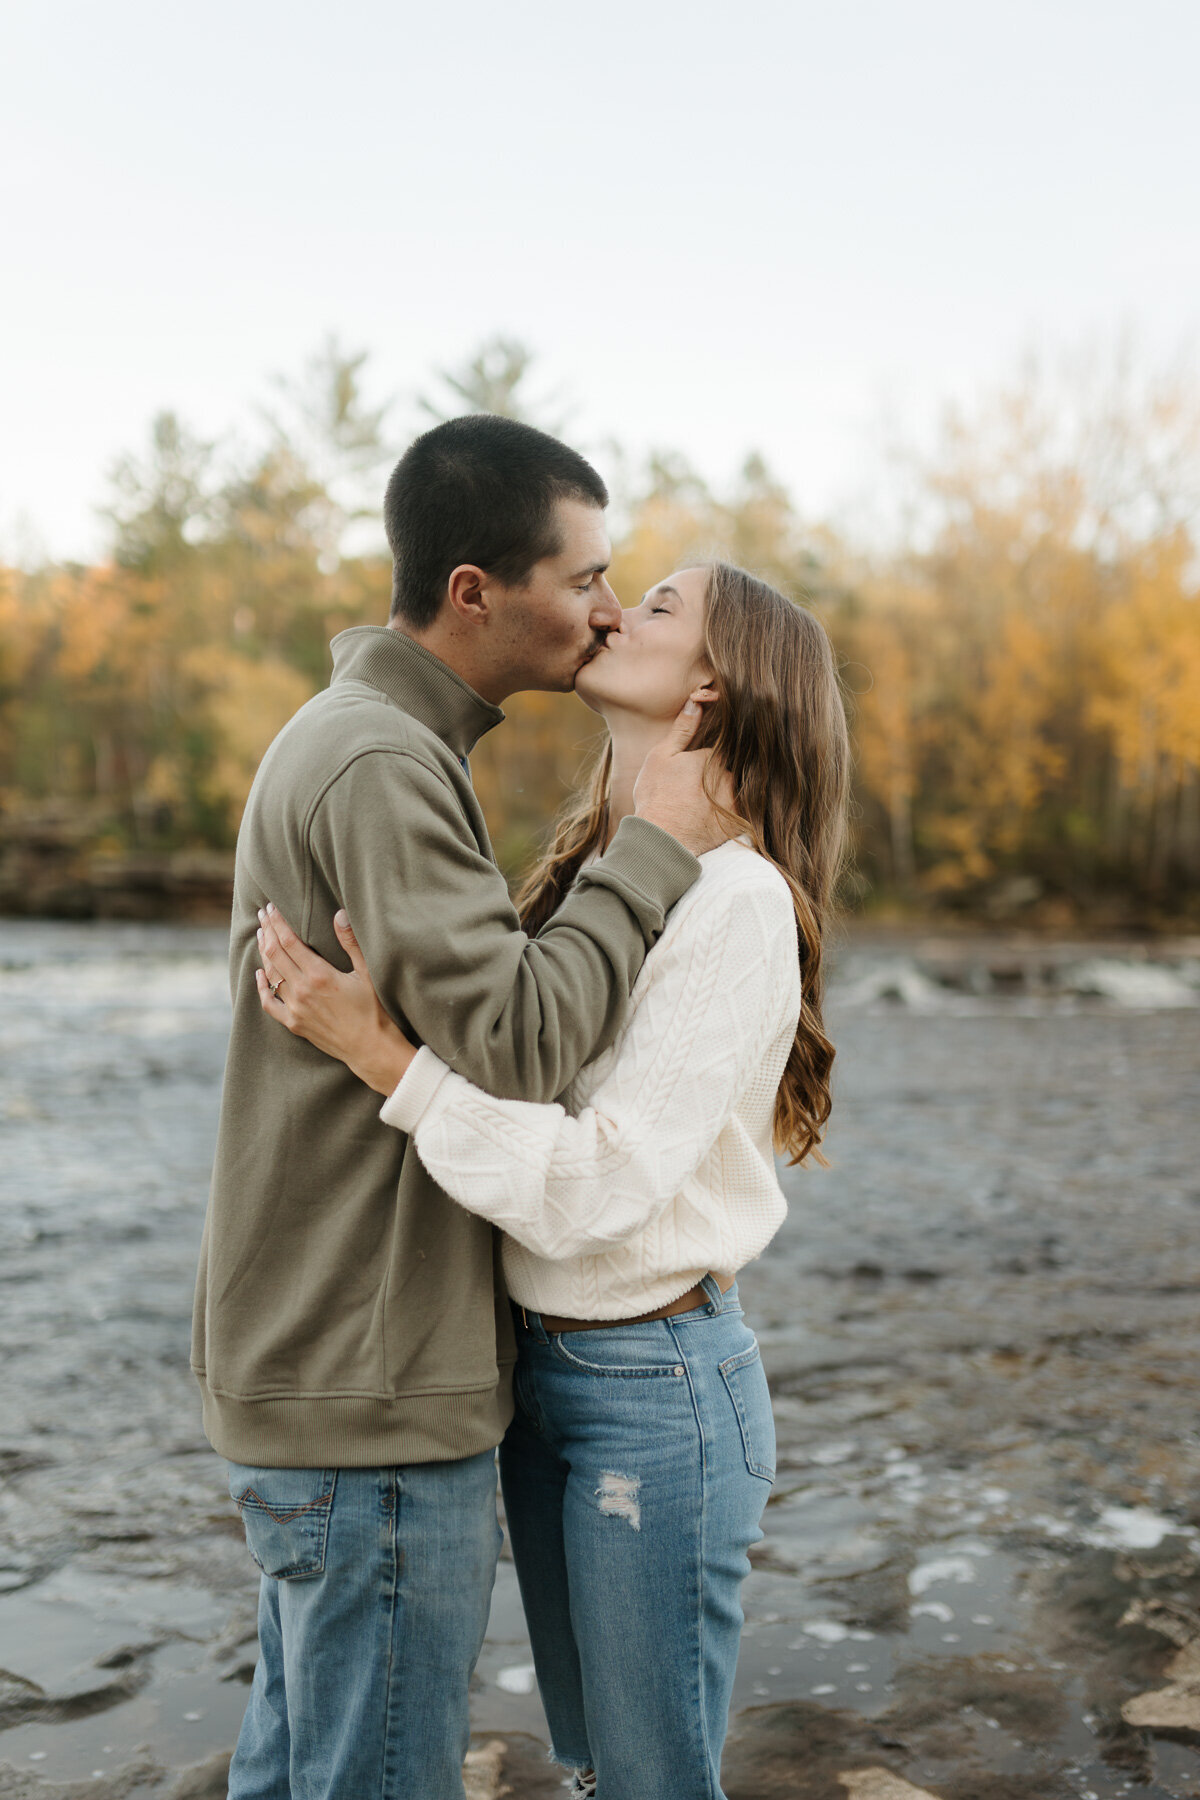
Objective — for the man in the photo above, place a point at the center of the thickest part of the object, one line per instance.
(352, 1338)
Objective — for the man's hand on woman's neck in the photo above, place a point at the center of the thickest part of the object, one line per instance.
(657, 775)
(633, 737)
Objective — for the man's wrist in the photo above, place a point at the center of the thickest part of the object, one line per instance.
(647, 851)
(674, 831)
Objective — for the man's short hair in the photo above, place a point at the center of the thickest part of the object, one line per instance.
(481, 490)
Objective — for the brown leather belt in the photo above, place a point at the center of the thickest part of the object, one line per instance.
(694, 1297)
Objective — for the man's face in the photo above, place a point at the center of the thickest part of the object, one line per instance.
(550, 627)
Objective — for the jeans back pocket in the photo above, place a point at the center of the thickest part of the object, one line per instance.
(746, 1380)
(285, 1513)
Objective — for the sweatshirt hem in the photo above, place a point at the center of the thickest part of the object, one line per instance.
(359, 1431)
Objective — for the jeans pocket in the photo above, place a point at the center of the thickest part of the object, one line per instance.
(746, 1380)
(285, 1513)
(612, 1355)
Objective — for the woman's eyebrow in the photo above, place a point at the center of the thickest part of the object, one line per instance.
(664, 587)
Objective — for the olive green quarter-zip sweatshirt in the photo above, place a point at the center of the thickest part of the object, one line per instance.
(348, 1313)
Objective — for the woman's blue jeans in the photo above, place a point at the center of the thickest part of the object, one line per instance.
(372, 1609)
(635, 1473)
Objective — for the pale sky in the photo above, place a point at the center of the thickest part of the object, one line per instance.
(721, 227)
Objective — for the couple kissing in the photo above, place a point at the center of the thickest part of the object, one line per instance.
(487, 1170)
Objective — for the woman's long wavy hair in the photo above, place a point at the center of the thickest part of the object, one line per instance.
(779, 726)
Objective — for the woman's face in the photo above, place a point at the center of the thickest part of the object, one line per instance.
(655, 657)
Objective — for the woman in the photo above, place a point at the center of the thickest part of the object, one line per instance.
(640, 1459)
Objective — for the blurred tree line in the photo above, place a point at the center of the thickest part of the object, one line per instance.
(1021, 656)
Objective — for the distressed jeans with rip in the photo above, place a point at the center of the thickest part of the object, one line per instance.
(635, 1474)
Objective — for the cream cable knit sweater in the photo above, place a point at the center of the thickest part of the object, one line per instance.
(658, 1167)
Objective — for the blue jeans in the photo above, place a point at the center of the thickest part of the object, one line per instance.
(372, 1608)
(635, 1474)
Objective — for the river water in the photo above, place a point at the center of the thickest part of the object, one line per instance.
(981, 1327)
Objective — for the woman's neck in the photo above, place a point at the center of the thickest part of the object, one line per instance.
(633, 738)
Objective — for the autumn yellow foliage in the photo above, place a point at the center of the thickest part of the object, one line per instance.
(1022, 664)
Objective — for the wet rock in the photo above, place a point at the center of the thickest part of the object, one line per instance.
(881, 1784)
(511, 1766)
(16, 1691)
(1121, 1747)
(1169, 1712)
(874, 1599)
(127, 1654)
(13, 1578)
(242, 1671)
(203, 1781)
(1172, 1711)
(23, 1702)
(799, 1751)
(18, 1461)
(1128, 1620)
(1178, 1623)
(796, 1751)
(141, 1779)
(481, 1771)
(1021, 1700)
(1106, 1609)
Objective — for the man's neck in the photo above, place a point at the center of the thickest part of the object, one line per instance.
(453, 647)
(633, 738)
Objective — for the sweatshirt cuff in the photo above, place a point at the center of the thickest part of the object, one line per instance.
(405, 1106)
(649, 859)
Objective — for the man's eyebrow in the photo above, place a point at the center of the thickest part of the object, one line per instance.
(592, 569)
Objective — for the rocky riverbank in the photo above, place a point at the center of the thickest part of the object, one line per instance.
(981, 1573)
(57, 865)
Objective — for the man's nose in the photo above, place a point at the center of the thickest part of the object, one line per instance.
(606, 609)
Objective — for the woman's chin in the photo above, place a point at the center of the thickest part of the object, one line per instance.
(590, 684)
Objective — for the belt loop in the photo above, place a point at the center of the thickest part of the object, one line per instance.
(532, 1321)
(716, 1299)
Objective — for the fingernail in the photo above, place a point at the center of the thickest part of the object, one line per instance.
(691, 707)
(270, 906)
(340, 919)
(261, 913)
(259, 934)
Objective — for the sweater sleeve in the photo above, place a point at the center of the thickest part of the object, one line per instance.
(715, 996)
(390, 842)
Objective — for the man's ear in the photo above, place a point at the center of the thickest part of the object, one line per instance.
(467, 592)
